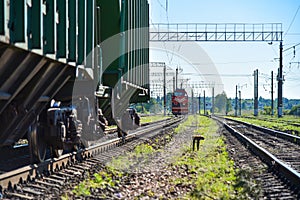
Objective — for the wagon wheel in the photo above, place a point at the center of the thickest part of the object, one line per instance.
(55, 149)
(37, 143)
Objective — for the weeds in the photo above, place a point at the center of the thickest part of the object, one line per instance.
(209, 172)
(154, 118)
(210, 169)
(279, 124)
(101, 180)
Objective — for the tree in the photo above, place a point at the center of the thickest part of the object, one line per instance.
(221, 101)
(295, 110)
(267, 110)
(228, 106)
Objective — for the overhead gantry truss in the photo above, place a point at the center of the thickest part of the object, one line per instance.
(223, 32)
(216, 32)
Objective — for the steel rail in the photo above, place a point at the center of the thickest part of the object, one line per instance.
(274, 163)
(19, 151)
(286, 136)
(9, 179)
(274, 120)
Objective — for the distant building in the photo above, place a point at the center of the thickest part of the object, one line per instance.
(157, 79)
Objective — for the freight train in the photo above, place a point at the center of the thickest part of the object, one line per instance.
(61, 61)
(180, 105)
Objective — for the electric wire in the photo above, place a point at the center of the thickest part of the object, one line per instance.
(292, 22)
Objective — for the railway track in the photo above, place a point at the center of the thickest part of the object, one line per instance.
(279, 151)
(290, 122)
(18, 156)
(45, 179)
(280, 134)
(12, 155)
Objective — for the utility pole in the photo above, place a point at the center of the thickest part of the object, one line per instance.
(240, 103)
(193, 110)
(174, 88)
(280, 80)
(199, 103)
(256, 92)
(272, 98)
(165, 96)
(176, 81)
(204, 103)
(213, 101)
(236, 101)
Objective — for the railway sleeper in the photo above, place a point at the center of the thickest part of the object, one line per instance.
(75, 169)
(47, 184)
(53, 180)
(32, 191)
(288, 177)
(65, 174)
(21, 196)
(82, 167)
(36, 186)
(74, 172)
(57, 177)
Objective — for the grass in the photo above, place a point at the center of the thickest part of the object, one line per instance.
(281, 124)
(149, 119)
(146, 119)
(209, 172)
(106, 178)
(288, 119)
(133, 159)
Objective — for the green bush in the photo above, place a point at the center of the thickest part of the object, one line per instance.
(295, 110)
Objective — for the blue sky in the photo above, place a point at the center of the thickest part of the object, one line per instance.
(238, 58)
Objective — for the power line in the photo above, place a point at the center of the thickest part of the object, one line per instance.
(291, 47)
(224, 75)
(169, 57)
(233, 62)
(292, 21)
(292, 34)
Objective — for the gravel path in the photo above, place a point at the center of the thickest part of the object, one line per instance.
(153, 176)
(148, 177)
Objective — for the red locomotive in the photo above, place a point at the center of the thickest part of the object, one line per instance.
(180, 102)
